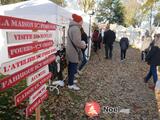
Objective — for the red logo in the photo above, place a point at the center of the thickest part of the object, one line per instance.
(92, 109)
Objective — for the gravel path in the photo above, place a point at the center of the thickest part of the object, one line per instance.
(110, 83)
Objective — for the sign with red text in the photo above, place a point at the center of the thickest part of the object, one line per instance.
(19, 37)
(35, 104)
(36, 76)
(31, 89)
(37, 93)
(16, 65)
(12, 80)
(25, 57)
(18, 50)
(18, 23)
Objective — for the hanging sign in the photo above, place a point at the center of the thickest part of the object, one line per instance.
(16, 65)
(37, 93)
(36, 103)
(18, 50)
(20, 37)
(36, 76)
(12, 80)
(31, 89)
(18, 23)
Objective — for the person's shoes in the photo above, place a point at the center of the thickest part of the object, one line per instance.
(122, 61)
(145, 80)
(73, 87)
(80, 72)
(59, 82)
(76, 76)
(75, 81)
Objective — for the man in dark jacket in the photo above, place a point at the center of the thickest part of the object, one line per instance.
(153, 59)
(124, 43)
(108, 39)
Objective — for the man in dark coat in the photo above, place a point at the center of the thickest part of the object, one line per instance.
(108, 39)
(124, 43)
(153, 59)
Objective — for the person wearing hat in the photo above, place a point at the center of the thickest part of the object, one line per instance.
(73, 49)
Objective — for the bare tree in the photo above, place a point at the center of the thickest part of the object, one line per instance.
(87, 5)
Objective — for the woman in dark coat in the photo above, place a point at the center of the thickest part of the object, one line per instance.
(153, 59)
(95, 39)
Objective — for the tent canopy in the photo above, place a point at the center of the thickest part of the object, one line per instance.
(42, 10)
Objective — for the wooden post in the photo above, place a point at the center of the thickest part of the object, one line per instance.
(38, 113)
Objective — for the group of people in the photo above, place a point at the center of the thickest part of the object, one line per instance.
(75, 49)
(77, 43)
(108, 39)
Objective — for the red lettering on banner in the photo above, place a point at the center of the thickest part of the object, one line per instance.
(31, 89)
(22, 37)
(12, 80)
(31, 36)
(36, 103)
(38, 75)
(7, 22)
(37, 93)
(19, 50)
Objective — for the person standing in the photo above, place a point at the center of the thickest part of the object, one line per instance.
(99, 39)
(73, 49)
(108, 40)
(124, 43)
(85, 39)
(146, 41)
(153, 59)
(95, 39)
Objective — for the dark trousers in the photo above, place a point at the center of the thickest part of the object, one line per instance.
(84, 61)
(99, 44)
(95, 45)
(72, 70)
(123, 54)
(152, 72)
(108, 50)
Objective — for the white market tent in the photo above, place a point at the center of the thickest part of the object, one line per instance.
(40, 10)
